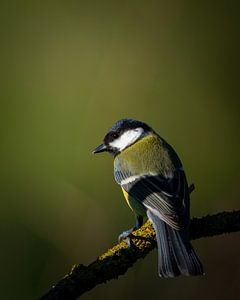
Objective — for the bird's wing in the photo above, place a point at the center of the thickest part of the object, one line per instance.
(167, 198)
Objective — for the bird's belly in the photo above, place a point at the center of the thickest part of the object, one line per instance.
(135, 205)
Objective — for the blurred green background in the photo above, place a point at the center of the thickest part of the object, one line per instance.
(69, 69)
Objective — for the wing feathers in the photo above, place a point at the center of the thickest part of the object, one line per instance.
(164, 197)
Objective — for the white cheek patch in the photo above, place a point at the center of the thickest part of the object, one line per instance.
(127, 138)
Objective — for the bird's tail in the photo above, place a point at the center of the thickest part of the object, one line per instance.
(175, 253)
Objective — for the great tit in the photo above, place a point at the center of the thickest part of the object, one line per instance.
(154, 185)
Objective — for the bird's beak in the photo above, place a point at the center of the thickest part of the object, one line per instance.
(100, 148)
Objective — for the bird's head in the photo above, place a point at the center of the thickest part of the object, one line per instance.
(123, 134)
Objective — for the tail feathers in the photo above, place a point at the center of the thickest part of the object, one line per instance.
(186, 258)
(175, 253)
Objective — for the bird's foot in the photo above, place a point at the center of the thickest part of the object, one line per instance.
(126, 235)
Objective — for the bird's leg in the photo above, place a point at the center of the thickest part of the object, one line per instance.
(127, 233)
(191, 188)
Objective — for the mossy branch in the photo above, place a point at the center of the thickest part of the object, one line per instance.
(117, 260)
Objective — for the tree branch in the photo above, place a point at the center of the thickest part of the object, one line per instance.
(117, 260)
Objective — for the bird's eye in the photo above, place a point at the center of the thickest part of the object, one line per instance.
(115, 135)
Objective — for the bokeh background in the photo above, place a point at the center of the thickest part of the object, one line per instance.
(69, 69)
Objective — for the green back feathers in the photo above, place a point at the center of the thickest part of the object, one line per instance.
(148, 155)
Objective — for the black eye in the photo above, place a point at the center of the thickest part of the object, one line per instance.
(115, 135)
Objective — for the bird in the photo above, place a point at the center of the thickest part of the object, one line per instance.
(154, 184)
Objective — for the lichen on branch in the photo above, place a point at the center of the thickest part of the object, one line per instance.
(117, 260)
